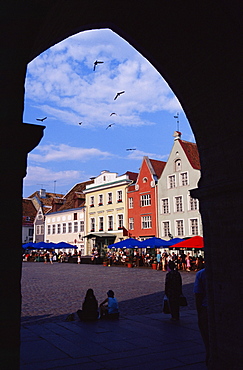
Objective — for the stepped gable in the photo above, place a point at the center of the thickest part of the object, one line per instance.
(158, 166)
(191, 152)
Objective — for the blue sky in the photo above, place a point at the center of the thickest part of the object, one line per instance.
(62, 86)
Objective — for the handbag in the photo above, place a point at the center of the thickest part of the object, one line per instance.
(166, 305)
(183, 301)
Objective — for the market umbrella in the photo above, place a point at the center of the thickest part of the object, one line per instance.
(63, 245)
(194, 242)
(44, 245)
(153, 243)
(127, 243)
(174, 241)
(28, 245)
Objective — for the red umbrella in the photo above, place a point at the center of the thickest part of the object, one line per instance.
(194, 242)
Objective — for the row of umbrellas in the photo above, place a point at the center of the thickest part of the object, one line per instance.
(194, 242)
(44, 245)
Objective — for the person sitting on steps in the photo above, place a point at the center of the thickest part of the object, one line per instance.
(109, 310)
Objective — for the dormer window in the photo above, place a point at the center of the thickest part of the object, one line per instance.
(178, 165)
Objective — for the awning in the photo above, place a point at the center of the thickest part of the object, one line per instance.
(100, 235)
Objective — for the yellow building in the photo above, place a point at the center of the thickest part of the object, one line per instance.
(106, 202)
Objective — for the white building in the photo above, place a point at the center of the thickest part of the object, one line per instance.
(178, 212)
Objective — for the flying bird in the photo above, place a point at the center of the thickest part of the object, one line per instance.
(97, 62)
(112, 114)
(80, 123)
(41, 119)
(131, 149)
(111, 124)
(118, 94)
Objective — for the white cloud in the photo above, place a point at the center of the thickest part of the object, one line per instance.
(139, 154)
(35, 175)
(61, 81)
(63, 152)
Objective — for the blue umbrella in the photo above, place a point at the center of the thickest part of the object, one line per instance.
(43, 245)
(127, 243)
(154, 243)
(174, 241)
(28, 245)
(63, 245)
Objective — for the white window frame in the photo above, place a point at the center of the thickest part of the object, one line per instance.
(48, 229)
(54, 229)
(177, 164)
(146, 222)
(165, 207)
(64, 228)
(180, 227)
(193, 204)
(184, 181)
(101, 223)
(110, 222)
(58, 228)
(75, 226)
(109, 198)
(120, 221)
(101, 199)
(164, 229)
(81, 226)
(171, 181)
(191, 226)
(178, 204)
(119, 196)
(130, 202)
(70, 227)
(91, 199)
(145, 200)
(92, 224)
(131, 223)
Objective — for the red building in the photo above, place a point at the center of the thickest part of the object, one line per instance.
(142, 200)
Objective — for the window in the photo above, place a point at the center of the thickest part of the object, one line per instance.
(31, 232)
(37, 230)
(109, 198)
(49, 229)
(81, 226)
(130, 202)
(42, 230)
(179, 228)
(101, 223)
(75, 216)
(146, 222)
(92, 201)
(92, 224)
(171, 183)
(145, 200)
(184, 179)
(120, 222)
(193, 204)
(70, 227)
(119, 196)
(110, 222)
(165, 205)
(178, 204)
(75, 227)
(178, 165)
(59, 228)
(145, 179)
(64, 228)
(194, 226)
(165, 228)
(101, 200)
(53, 229)
(131, 223)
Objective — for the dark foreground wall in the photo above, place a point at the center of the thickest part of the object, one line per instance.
(195, 45)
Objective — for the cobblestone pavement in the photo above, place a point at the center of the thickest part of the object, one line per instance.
(51, 292)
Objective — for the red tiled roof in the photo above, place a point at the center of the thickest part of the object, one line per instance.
(75, 193)
(192, 154)
(47, 201)
(132, 175)
(28, 211)
(158, 166)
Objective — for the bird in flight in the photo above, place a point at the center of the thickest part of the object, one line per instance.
(80, 123)
(97, 62)
(131, 149)
(111, 124)
(112, 114)
(41, 119)
(118, 94)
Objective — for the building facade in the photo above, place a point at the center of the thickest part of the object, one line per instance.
(107, 209)
(142, 200)
(178, 212)
(28, 217)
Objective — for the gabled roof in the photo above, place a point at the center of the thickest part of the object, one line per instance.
(75, 193)
(191, 152)
(158, 166)
(47, 200)
(132, 175)
(28, 211)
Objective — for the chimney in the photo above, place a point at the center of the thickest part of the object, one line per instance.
(177, 135)
(42, 193)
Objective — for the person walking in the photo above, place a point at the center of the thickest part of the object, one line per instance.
(173, 290)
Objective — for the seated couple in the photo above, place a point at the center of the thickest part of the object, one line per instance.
(90, 310)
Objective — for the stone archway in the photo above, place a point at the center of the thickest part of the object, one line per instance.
(195, 47)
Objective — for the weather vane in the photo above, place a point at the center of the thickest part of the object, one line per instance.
(178, 121)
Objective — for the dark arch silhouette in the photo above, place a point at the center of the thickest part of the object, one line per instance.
(196, 46)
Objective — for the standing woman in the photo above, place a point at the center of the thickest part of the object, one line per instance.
(173, 290)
